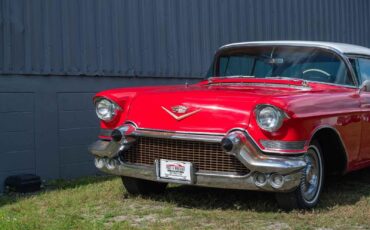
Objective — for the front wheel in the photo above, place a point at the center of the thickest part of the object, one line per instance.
(307, 194)
(137, 186)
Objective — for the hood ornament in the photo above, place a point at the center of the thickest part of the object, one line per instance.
(180, 109)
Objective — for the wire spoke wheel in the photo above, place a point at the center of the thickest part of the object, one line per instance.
(311, 176)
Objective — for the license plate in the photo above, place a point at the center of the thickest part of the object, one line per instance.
(175, 170)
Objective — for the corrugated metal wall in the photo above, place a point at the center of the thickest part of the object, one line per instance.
(162, 38)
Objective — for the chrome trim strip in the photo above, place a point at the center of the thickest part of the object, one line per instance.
(306, 88)
(283, 145)
(178, 135)
(221, 174)
(180, 132)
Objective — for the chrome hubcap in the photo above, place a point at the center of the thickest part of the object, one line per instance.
(311, 176)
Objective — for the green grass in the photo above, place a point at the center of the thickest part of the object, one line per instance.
(101, 203)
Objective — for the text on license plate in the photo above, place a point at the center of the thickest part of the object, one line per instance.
(176, 170)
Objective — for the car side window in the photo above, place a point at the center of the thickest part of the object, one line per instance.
(364, 68)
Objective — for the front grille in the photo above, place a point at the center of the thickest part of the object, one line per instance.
(203, 155)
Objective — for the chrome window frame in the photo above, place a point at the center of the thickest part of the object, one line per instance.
(356, 57)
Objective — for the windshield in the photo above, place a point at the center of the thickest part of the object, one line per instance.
(311, 64)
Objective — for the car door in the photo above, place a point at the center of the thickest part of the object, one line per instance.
(362, 67)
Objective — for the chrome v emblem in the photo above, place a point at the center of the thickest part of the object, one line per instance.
(182, 116)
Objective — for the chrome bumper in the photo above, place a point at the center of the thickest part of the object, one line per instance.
(216, 180)
(288, 167)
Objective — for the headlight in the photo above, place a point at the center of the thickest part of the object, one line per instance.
(269, 118)
(105, 109)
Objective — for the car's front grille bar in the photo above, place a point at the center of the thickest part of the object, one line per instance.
(207, 156)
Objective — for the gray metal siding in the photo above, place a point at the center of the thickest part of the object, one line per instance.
(162, 38)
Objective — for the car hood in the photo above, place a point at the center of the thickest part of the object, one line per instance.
(198, 108)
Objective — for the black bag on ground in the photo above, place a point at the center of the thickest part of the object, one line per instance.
(23, 183)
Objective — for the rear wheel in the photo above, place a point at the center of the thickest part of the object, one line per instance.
(307, 194)
(137, 186)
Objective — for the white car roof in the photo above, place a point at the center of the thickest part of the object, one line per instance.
(342, 48)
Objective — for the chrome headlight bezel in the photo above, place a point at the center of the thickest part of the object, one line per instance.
(106, 109)
(277, 117)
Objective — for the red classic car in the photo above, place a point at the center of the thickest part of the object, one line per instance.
(270, 116)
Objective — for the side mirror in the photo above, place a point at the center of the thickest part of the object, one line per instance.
(365, 86)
